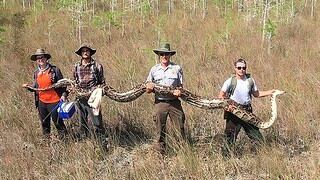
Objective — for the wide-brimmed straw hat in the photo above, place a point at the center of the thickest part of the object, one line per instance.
(85, 45)
(164, 48)
(38, 53)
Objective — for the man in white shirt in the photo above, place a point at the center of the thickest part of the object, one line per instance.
(240, 88)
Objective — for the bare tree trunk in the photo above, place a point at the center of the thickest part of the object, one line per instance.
(204, 9)
(79, 29)
(23, 5)
(277, 10)
(93, 7)
(265, 16)
(156, 59)
(269, 38)
(50, 24)
(194, 7)
(122, 18)
(312, 8)
(157, 7)
(184, 8)
(109, 24)
(85, 6)
(142, 14)
(240, 5)
(169, 6)
(79, 11)
(292, 8)
(225, 7)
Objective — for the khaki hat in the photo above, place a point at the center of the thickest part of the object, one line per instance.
(85, 45)
(38, 53)
(164, 48)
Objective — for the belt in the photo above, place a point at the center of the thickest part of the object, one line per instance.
(245, 106)
(166, 101)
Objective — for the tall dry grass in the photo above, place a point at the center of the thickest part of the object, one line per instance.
(206, 48)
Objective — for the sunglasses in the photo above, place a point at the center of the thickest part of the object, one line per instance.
(164, 54)
(243, 68)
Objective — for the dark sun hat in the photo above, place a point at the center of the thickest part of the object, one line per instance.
(38, 53)
(164, 48)
(85, 45)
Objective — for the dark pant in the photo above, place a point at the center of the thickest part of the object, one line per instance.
(234, 124)
(174, 110)
(85, 113)
(48, 111)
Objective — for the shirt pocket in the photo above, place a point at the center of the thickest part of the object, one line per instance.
(157, 78)
(173, 76)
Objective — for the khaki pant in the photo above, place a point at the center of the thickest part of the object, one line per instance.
(174, 110)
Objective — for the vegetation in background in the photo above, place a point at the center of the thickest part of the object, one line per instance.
(279, 39)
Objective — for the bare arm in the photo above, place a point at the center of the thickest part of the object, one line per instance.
(259, 94)
(149, 87)
(222, 95)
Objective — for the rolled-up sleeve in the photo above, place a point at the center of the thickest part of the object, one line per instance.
(150, 76)
(180, 76)
(101, 79)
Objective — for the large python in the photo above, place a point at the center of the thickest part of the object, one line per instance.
(186, 96)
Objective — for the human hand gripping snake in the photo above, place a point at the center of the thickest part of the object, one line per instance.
(186, 96)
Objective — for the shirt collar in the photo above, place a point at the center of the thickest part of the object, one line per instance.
(90, 63)
(168, 67)
(42, 70)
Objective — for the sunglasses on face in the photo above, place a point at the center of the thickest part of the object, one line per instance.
(164, 54)
(243, 68)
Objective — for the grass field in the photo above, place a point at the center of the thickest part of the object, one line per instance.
(279, 40)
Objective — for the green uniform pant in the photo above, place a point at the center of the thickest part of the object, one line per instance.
(233, 127)
(174, 110)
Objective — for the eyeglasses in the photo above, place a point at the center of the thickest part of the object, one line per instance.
(39, 57)
(85, 50)
(243, 68)
(164, 54)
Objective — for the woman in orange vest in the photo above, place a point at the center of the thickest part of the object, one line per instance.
(47, 101)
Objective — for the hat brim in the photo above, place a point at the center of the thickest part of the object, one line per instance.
(34, 56)
(92, 51)
(157, 51)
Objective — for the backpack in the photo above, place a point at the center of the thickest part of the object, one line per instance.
(233, 84)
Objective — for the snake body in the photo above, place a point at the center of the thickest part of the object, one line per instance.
(186, 96)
